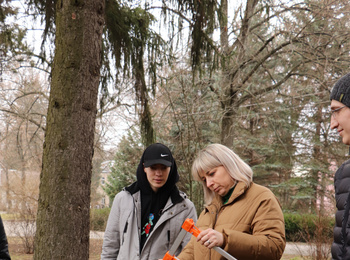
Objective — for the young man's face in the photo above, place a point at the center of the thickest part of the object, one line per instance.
(340, 120)
(157, 175)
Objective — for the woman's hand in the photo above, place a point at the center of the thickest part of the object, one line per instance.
(210, 238)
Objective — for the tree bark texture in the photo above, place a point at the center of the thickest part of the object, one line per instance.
(64, 199)
(232, 77)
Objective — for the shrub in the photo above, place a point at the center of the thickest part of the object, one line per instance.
(307, 227)
(98, 219)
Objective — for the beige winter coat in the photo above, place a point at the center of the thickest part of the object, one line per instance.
(252, 224)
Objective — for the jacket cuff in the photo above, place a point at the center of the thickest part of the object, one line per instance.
(225, 240)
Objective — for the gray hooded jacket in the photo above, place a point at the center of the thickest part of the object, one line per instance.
(122, 235)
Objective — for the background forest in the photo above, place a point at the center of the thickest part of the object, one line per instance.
(254, 75)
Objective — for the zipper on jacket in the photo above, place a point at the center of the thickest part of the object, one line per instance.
(216, 216)
(126, 227)
(168, 238)
(124, 231)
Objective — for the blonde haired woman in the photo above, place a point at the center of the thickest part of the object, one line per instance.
(243, 218)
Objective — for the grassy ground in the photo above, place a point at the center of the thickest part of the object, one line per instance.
(17, 251)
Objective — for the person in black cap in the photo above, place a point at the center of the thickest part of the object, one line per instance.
(340, 120)
(146, 217)
(4, 251)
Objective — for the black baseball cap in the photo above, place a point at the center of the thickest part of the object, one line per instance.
(157, 154)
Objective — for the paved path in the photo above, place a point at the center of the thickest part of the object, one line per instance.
(96, 234)
(304, 249)
(297, 249)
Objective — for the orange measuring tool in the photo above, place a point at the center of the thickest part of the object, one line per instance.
(188, 226)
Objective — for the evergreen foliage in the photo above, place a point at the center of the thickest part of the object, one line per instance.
(201, 16)
(47, 10)
(123, 169)
(132, 43)
(13, 48)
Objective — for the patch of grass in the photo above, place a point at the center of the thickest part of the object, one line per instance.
(95, 249)
(16, 249)
(7, 216)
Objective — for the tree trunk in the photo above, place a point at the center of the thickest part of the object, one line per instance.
(315, 173)
(223, 31)
(230, 81)
(146, 125)
(8, 189)
(227, 125)
(64, 199)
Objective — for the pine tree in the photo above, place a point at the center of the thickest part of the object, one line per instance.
(64, 200)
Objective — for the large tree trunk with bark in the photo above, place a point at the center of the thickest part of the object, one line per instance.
(64, 200)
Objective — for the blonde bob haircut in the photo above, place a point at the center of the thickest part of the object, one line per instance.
(215, 155)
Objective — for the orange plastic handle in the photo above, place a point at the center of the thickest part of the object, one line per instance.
(167, 256)
(189, 226)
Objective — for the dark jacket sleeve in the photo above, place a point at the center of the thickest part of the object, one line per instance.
(4, 252)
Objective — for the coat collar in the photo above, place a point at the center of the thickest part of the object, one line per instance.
(240, 189)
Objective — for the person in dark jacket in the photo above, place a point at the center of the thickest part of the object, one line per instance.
(340, 120)
(4, 252)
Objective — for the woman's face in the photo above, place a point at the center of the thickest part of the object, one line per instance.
(157, 175)
(218, 180)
